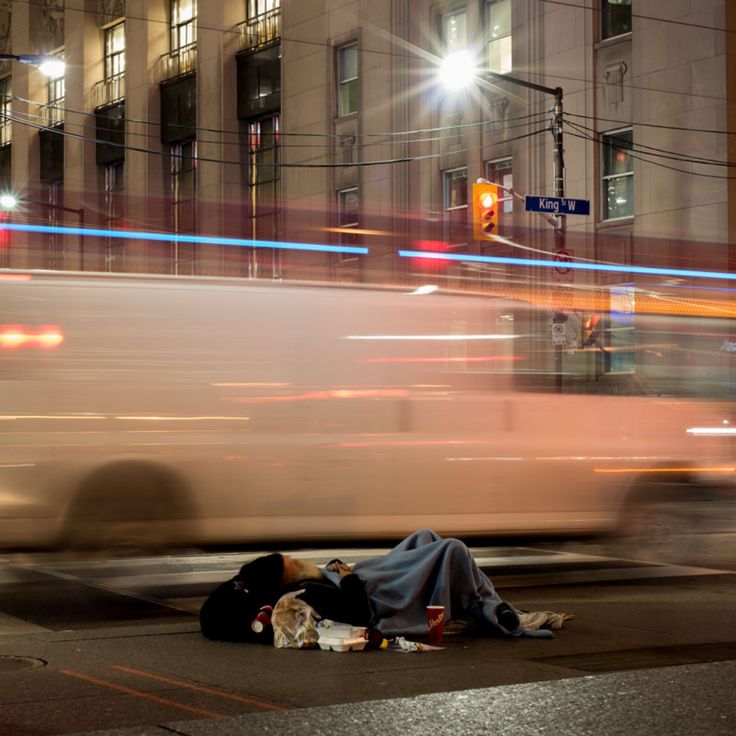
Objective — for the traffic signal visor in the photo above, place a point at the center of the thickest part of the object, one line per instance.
(485, 210)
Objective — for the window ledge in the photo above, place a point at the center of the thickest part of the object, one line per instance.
(613, 41)
(345, 118)
(615, 221)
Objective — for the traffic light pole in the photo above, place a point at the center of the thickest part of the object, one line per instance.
(558, 172)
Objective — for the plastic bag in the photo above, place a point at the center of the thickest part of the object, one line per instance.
(294, 623)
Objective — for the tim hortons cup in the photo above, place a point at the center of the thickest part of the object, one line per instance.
(435, 623)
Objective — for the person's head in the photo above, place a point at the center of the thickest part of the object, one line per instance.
(229, 611)
(295, 570)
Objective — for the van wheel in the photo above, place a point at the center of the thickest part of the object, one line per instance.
(129, 508)
(662, 522)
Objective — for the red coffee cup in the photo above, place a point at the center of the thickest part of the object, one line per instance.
(435, 623)
(262, 620)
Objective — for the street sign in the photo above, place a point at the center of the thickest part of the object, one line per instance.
(557, 205)
(562, 259)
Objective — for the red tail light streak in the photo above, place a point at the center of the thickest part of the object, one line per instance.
(19, 337)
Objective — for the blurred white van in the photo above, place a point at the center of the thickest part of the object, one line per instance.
(143, 411)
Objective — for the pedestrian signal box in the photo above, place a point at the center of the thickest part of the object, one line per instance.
(485, 210)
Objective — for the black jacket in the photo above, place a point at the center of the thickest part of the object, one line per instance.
(347, 603)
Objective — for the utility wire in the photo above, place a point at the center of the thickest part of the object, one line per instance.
(639, 157)
(140, 149)
(652, 150)
(672, 21)
(447, 128)
(43, 120)
(652, 125)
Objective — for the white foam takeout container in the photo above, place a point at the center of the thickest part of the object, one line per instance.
(342, 645)
(340, 637)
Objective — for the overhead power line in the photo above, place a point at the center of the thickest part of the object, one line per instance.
(281, 165)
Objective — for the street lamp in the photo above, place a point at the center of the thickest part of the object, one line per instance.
(450, 72)
(51, 66)
(9, 202)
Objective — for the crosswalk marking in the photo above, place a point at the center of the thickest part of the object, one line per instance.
(182, 582)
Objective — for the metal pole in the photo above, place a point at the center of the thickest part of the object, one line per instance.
(561, 220)
(559, 188)
(80, 212)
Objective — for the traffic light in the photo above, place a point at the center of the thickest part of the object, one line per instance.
(485, 210)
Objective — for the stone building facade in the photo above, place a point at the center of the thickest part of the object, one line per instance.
(325, 122)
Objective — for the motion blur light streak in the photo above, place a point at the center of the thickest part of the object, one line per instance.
(711, 431)
(469, 359)
(252, 385)
(15, 276)
(720, 469)
(432, 337)
(545, 263)
(185, 419)
(427, 289)
(180, 238)
(407, 443)
(322, 395)
(85, 417)
(354, 231)
(45, 337)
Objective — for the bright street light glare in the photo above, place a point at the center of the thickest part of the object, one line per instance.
(53, 68)
(8, 202)
(457, 70)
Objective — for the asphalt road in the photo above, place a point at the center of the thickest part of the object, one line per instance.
(98, 644)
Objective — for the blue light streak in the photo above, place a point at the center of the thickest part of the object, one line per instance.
(91, 232)
(543, 263)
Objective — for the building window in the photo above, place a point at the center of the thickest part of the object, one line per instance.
(348, 217)
(112, 89)
(501, 172)
(262, 25)
(620, 330)
(348, 207)
(183, 184)
(347, 80)
(183, 23)
(618, 174)
(6, 110)
(454, 31)
(264, 137)
(498, 33)
(114, 51)
(56, 91)
(456, 206)
(615, 18)
(114, 185)
(260, 7)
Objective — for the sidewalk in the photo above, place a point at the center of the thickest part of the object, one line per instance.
(670, 701)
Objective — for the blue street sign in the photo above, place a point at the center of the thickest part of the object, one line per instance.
(557, 205)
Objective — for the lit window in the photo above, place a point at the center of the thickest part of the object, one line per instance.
(455, 34)
(620, 337)
(56, 90)
(456, 206)
(498, 32)
(347, 76)
(260, 7)
(615, 18)
(114, 51)
(618, 174)
(6, 110)
(348, 205)
(183, 23)
(263, 150)
(501, 172)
